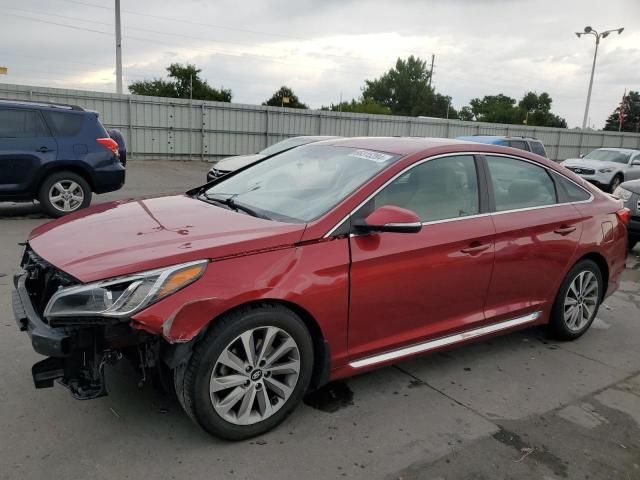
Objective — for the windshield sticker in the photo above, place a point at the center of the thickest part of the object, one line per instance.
(373, 156)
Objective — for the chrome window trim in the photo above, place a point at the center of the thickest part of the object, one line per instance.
(457, 154)
(429, 345)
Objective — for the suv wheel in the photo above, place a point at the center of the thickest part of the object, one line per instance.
(64, 192)
(577, 302)
(248, 373)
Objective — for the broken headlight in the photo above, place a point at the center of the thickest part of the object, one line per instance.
(123, 296)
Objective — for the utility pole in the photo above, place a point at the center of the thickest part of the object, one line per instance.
(433, 59)
(118, 50)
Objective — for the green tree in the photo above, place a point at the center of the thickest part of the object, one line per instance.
(182, 79)
(276, 99)
(537, 111)
(359, 106)
(630, 115)
(466, 114)
(532, 109)
(495, 109)
(403, 89)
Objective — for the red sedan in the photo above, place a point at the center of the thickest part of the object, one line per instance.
(315, 264)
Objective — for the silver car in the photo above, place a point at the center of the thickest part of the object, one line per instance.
(607, 168)
(629, 193)
(230, 164)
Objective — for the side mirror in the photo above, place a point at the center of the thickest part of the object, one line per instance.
(582, 155)
(635, 163)
(389, 218)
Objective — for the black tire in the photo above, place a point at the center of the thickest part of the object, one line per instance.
(615, 182)
(193, 381)
(632, 242)
(557, 323)
(65, 178)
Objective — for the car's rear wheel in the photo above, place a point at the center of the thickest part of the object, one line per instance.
(248, 373)
(615, 183)
(632, 242)
(64, 192)
(577, 302)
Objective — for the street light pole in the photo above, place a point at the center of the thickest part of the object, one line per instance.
(118, 50)
(590, 31)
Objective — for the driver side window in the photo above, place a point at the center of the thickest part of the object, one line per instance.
(438, 189)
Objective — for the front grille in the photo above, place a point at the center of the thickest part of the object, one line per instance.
(43, 279)
(638, 207)
(582, 171)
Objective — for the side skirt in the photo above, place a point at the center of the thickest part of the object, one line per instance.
(444, 341)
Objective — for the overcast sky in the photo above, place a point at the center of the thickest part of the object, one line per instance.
(325, 48)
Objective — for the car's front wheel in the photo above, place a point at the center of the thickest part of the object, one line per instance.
(248, 373)
(64, 192)
(577, 302)
(615, 183)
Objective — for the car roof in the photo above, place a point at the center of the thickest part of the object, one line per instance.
(34, 104)
(397, 145)
(494, 138)
(618, 149)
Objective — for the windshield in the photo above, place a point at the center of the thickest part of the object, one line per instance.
(284, 145)
(301, 184)
(609, 156)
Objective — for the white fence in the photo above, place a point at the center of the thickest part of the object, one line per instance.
(175, 129)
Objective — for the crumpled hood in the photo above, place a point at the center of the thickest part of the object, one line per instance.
(586, 163)
(119, 238)
(231, 164)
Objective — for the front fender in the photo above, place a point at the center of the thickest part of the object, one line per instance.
(313, 276)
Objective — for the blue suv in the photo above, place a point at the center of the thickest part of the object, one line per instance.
(57, 154)
(528, 144)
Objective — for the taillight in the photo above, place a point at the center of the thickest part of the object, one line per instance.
(109, 144)
(624, 215)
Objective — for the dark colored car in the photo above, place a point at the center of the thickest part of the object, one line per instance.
(57, 154)
(250, 291)
(528, 144)
(629, 193)
(231, 164)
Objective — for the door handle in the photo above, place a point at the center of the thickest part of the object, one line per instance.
(476, 247)
(44, 150)
(564, 230)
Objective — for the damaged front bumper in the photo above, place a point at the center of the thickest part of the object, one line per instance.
(78, 351)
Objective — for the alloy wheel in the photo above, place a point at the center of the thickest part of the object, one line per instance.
(581, 301)
(66, 195)
(255, 375)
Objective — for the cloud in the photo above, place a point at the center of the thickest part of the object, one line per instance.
(327, 49)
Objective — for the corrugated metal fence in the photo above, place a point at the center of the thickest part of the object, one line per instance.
(175, 129)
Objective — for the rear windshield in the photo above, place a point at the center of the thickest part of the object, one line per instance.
(63, 124)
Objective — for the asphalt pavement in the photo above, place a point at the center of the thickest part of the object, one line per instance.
(520, 406)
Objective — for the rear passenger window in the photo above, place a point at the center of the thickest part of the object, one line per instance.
(519, 184)
(21, 124)
(520, 144)
(438, 189)
(64, 124)
(538, 149)
(572, 192)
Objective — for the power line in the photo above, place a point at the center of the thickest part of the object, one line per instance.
(170, 19)
(235, 55)
(191, 37)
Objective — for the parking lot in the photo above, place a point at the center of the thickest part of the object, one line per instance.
(519, 406)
